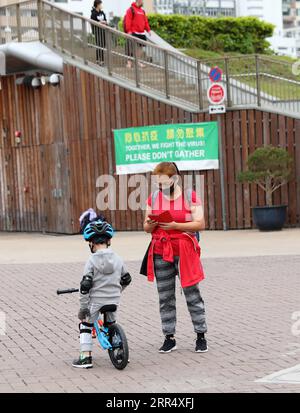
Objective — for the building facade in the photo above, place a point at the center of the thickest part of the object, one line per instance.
(149, 6)
(163, 6)
(269, 11)
(211, 8)
(277, 12)
(9, 2)
(82, 7)
(112, 8)
(291, 15)
(8, 21)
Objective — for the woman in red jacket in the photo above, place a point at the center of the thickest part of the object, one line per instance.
(136, 24)
(174, 250)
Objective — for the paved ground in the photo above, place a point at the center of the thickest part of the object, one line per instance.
(38, 248)
(250, 302)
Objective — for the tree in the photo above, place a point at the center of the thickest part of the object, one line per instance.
(270, 168)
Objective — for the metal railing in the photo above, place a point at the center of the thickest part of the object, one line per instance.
(249, 80)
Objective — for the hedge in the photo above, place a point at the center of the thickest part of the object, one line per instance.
(244, 35)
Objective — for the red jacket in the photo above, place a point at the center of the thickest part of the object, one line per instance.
(190, 267)
(136, 22)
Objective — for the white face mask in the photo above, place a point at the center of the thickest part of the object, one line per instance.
(168, 191)
(168, 186)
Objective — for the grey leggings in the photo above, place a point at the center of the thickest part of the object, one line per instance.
(86, 341)
(165, 273)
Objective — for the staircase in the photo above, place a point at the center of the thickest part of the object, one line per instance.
(167, 75)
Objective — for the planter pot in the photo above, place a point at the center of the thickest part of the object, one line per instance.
(270, 218)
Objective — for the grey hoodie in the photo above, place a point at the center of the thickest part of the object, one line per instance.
(106, 268)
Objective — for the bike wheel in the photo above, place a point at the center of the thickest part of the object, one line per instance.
(120, 352)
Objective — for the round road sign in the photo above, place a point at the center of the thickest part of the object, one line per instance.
(216, 94)
(215, 74)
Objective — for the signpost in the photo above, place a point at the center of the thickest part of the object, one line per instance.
(216, 95)
(222, 177)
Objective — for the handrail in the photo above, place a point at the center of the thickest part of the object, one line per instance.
(265, 57)
(112, 29)
(176, 75)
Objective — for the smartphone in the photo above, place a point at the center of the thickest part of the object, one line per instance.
(164, 217)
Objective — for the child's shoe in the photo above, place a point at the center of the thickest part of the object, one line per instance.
(83, 363)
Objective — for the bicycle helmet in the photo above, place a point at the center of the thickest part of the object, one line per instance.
(89, 216)
(98, 231)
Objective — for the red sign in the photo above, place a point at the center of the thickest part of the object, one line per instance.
(216, 94)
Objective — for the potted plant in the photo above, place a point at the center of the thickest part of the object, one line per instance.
(270, 168)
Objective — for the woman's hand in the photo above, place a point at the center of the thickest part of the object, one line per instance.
(150, 225)
(169, 226)
(151, 222)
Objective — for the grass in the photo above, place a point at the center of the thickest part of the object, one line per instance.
(278, 66)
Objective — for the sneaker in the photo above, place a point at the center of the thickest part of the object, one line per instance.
(168, 346)
(201, 345)
(85, 363)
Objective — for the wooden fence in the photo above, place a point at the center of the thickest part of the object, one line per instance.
(49, 178)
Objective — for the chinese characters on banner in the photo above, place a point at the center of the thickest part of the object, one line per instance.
(192, 146)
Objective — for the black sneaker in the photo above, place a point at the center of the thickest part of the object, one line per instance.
(85, 363)
(201, 345)
(168, 346)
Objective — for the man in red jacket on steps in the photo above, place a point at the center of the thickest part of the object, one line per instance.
(136, 24)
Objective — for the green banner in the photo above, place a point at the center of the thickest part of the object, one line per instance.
(193, 146)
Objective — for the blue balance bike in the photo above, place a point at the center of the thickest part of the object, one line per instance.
(111, 336)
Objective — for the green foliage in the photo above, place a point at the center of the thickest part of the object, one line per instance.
(115, 22)
(91, 39)
(270, 168)
(243, 34)
(120, 25)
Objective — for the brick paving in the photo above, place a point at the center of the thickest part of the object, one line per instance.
(249, 303)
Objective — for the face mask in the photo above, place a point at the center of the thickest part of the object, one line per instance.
(168, 191)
